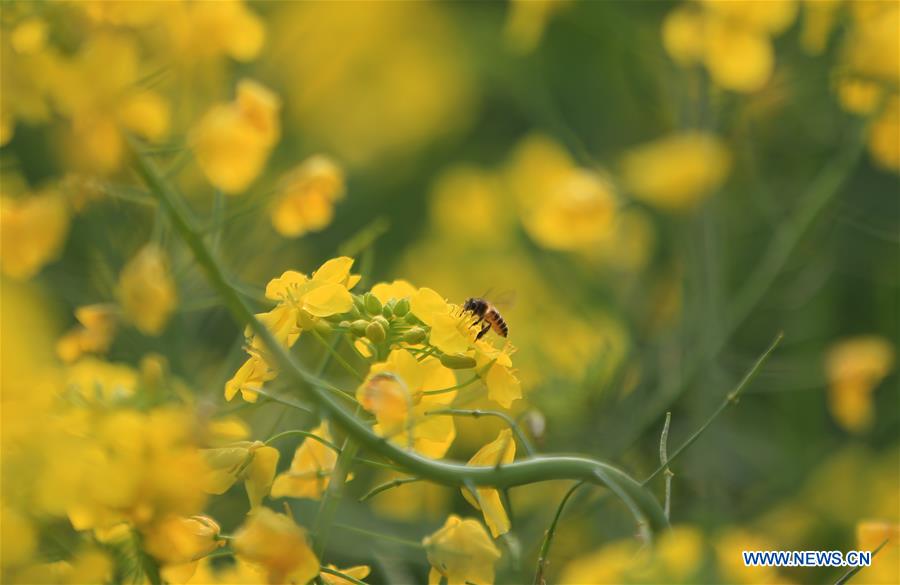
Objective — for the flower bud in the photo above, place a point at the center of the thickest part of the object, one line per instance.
(387, 312)
(358, 327)
(344, 324)
(322, 327)
(384, 322)
(414, 335)
(457, 361)
(373, 305)
(401, 308)
(375, 332)
(359, 304)
(412, 319)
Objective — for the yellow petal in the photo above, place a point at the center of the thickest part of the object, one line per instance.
(446, 334)
(328, 299)
(426, 303)
(260, 474)
(503, 387)
(336, 270)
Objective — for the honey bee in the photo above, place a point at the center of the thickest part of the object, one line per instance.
(486, 312)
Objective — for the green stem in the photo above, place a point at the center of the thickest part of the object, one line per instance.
(476, 413)
(849, 574)
(388, 485)
(379, 535)
(730, 398)
(551, 532)
(664, 462)
(527, 471)
(306, 434)
(338, 357)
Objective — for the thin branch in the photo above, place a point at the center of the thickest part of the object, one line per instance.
(387, 486)
(476, 413)
(664, 462)
(849, 574)
(550, 533)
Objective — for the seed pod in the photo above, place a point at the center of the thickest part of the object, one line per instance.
(373, 305)
(358, 327)
(401, 308)
(375, 332)
(415, 335)
(457, 361)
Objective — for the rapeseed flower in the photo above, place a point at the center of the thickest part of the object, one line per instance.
(253, 462)
(358, 572)
(94, 334)
(306, 197)
(232, 141)
(178, 543)
(33, 229)
(276, 544)
(396, 392)
(854, 368)
(676, 172)
(311, 468)
(147, 290)
(461, 552)
(501, 450)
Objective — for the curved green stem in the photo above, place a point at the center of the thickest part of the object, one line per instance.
(387, 486)
(646, 508)
(551, 532)
(475, 413)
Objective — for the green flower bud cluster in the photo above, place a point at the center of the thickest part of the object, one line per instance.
(383, 324)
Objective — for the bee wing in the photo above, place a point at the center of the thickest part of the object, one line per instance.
(505, 299)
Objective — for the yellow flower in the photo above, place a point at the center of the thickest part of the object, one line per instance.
(275, 543)
(676, 172)
(462, 552)
(502, 385)
(358, 572)
(738, 58)
(250, 376)
(729, 546)
(819, 19)
(855, 367)
(884, 136)
(232, 141)
(147, 291)
(207, 30)
(94, 334)
(29, 36)
(96, 380)
(254, 462)
(301, 301)
(395, 392)
(563, 206)
(398, 289)
(32, 232)
(611, 564)
(311, 468)
(18, 540)
(177, 543)
(869, 536)
(411, 502)
(305, 202)
(501, 450)
(468, 204)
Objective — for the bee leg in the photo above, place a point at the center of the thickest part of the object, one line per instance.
(484, 330)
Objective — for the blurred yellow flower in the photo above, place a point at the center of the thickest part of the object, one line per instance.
(417, 84)
(275, 543)
(33, 229)
(252, 374)
(467, 204)
(885, 567)
(461, 552)
(206, 30)
(395, 392)
(884, 136)
(253, 462)
(311, 468)
(501, 450)
(18, 540)
(358, 572)
(411, 502)
(562, 206)
(854, 368)
(733, 40)
(29, 36)
(819, 20)
(94, 334)
(306, 197)
(232, 141)
(678, 171)
(147, 290)
(177, 543)
(730, 544)
(97, 380)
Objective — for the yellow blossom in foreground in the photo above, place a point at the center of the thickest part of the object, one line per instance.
(147, 290)
(358, 572)
(301, 302)
(93, 335)
(254, 462)
(311, 468)
(232, 141)
(854, 368)
(678, 171)
(562, 206)
(275, 543)
(395, 391)
(501, 450)
(177, 543)
(306, 197)
(32, 232)
(398, 289)
(462, 552)
(18, 539)
(885, 566)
